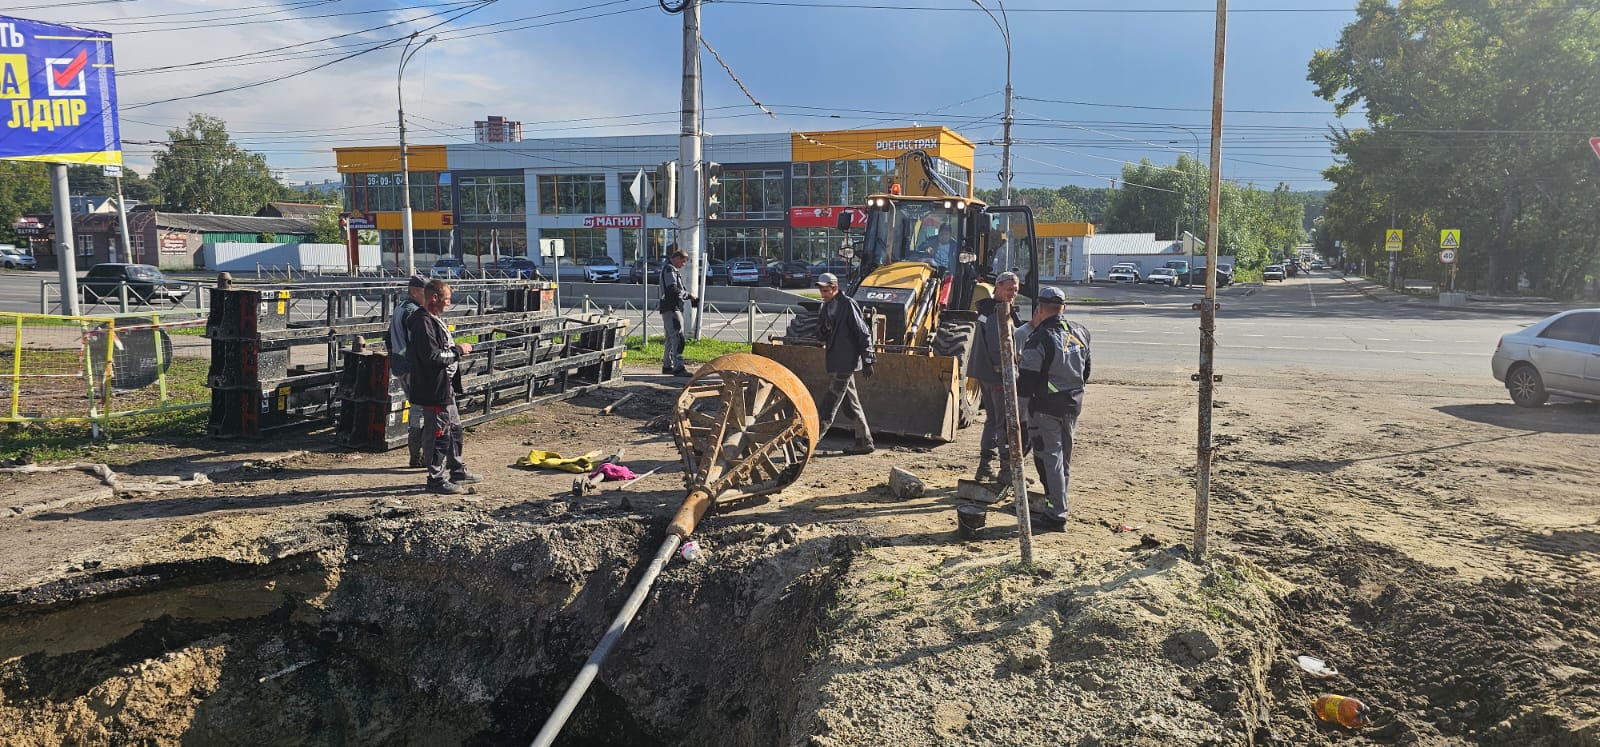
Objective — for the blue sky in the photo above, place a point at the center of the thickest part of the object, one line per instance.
(1098, 82)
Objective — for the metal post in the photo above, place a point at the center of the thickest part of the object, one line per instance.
(1005, 147)
(122, 225)
(405, 174)
(750, 319)
(66, 262)
(689, 154)
(1208, 305)
(1019, 481)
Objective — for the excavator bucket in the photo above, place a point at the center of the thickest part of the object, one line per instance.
(909, 394)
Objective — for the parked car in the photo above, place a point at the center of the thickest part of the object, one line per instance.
(1224, 274)
(516, 267)
(838, 267)
(1180, 270)
(637, 271)
(789, 274)
(1124, 273)
(717, 273)
(599, 268)
(1317, 264)
(13, 259)
(145, 283)
(1559, 354)
(744, 272)
(1163, 276)
(1273, 272)
(448, 267)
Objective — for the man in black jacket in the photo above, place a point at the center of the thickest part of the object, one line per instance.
(848, 343)
(673, 294)
(984, 365)
(434, 357)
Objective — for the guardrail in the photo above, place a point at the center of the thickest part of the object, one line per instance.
(124, 299)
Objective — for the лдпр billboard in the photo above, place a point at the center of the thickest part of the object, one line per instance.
(58, 95)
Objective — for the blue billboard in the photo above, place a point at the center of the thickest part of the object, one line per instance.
(58, 94)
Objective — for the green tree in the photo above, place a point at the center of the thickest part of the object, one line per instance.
(24, 188)
(202, 170)
(1476, 119)
(325, 229)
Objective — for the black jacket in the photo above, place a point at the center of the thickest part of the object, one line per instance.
(844, 332)
(433, 356)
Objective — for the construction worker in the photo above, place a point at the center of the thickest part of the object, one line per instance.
(848, 343)
(435, 357)
(673, 294)
(400, 365)
(984, 365)
(1053, 372)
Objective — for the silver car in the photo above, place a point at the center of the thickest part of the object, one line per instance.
(13, 259)
(1556, 355)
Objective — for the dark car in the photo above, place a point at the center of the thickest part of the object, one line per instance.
(839, 267)
(448, 268)
(716, 273)
(145, 283)
(790, 274)
(1224, 274)
(636, 272)
(516, 267)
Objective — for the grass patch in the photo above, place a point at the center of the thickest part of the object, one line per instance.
(65, 442)
(694, 351)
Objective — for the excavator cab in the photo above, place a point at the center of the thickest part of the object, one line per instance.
(922, 265)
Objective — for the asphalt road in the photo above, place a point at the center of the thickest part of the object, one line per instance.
(1313, 323)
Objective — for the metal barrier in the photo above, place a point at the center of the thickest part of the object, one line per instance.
(740, 322)
(124, 299)
(69, 369)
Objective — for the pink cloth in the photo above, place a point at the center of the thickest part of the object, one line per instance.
(614, 472)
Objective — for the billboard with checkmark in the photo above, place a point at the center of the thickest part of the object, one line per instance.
(58, 94)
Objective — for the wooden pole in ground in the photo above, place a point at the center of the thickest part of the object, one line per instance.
(1019, 482)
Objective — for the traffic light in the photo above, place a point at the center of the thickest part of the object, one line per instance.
(667, 186)
(713, 190)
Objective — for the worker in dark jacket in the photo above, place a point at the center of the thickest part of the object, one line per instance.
(984, 365)
(848, 348)
(400, 364)
(1053, 372)
(435, 357)
(673, 294)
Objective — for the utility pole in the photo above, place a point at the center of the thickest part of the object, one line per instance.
(405, 171)
(66, 263)
(1208, 305)
(122, 224)
(1004, 24)
(689, 155)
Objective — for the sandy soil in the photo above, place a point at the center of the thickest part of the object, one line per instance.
(1441, 550)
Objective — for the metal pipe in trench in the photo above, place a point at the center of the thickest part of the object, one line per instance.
(694, 507)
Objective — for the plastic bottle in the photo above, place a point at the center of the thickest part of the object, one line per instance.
(1347, 712)
(691, 553)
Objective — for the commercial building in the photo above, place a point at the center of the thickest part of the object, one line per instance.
(778, 194)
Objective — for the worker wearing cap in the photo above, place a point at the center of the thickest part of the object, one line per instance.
(1053, 371)
(400, 365)
(984, 365)
(673, 294)
(848, 343)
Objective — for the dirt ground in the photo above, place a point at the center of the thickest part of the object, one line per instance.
(1439, 548)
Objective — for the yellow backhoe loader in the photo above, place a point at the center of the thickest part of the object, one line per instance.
(918, 271)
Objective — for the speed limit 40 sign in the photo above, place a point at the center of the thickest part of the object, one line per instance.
(1447, 256)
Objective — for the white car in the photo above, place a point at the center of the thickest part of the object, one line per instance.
(1557, 355)
(1123, 274)
(1162, 276)
(12, 259)
(1273, 272)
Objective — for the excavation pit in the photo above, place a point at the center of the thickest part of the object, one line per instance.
(410, 630)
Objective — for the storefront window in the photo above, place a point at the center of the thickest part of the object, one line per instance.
(572, 194)
(723, 244)
(426, 246)
(580, 242)
(481, 246)
(430, 191)
(756, 194)
(841, 182)
(493, 198)
(812, 245)
(656, 241)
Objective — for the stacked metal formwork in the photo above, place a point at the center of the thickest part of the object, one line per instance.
(266, 372)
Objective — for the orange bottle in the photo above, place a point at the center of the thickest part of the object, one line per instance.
(1346, 712)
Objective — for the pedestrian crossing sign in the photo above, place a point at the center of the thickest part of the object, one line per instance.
(1450, 238)
(1393, 240)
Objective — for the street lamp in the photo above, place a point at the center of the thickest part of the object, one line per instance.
(1193, 218)
(405, 176)
(1005, 148)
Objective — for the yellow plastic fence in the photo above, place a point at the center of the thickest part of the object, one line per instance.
(91, 369)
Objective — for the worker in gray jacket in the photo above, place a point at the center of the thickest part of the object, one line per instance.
(400, 365)
(848, 343)
(673, 294)
(1053, 371)
(984, 365)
